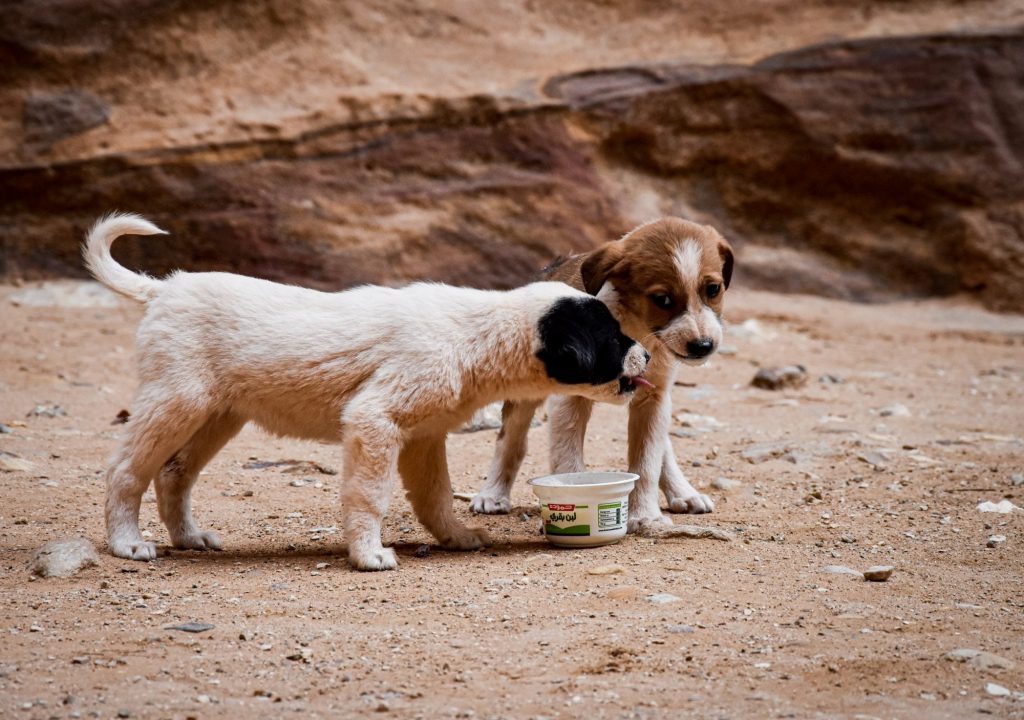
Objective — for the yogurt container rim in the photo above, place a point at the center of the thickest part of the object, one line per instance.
(614, 477)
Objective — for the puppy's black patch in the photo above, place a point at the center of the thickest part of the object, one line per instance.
(581, 342)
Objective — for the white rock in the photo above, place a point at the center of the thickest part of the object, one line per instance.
(878, 573)
(894, 410)
(842, 570)
(1003, 506)
(724, 483)
(66, 294)
(663, 598)
(995, 540)
(996, 690)
(63, 558)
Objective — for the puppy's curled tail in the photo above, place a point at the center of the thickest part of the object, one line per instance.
(98, 260)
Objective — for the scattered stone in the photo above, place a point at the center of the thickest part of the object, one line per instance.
(302, 654)
(4, 430)
(996, 690)
(190, 627)
(873, 458)
(66, 294)
(486, 418)
(995, 541)
(422, 551)
(750, 329)
(680, 629)
(724, 483)
(51, 411)
(464, 496)
(1016, 479)
(606, 570)
(894, 410)
(980, 659)
(762, 452)
(9, 462)
(663, 598)
(292, 467)
(124, 713)
(878, 573)
(63, 558)
(842, 570)
(847, 539)
(1003, 506)
(246, 635)
(684, 531)
(524, 517)
(829, 379)
(623, 592)
(298, 482)
(780, 378)
(700, 423)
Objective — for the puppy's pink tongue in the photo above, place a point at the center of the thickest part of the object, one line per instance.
(643, 381)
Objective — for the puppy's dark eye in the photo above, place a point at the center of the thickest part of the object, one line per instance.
(661, 300)
(712, 290)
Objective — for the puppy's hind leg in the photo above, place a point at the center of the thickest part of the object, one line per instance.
(371, 463)
(160, 425)
(175, 481)
(424, 469)
(496, 495)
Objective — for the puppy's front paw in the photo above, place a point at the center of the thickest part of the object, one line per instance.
(382, 559)
(133, 549)
(467, 538)
(487, 505)
(638, 523)
(199, 540)
(693, 505)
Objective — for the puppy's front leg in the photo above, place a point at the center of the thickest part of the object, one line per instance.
(682, 497)
(649, 416)
(569, 415)
(371, 458)
(424, 469)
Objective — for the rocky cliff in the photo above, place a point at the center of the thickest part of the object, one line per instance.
(869, 152)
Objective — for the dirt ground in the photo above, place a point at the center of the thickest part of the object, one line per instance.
(835, 473)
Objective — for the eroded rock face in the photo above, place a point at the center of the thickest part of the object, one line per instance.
(869, 169)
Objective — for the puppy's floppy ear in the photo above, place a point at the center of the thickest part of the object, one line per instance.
(725, 251)
(599, 265)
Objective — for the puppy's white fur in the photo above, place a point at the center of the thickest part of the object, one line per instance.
(386, 371)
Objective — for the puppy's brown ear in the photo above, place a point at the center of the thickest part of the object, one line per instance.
(725, 251)
(599, 265)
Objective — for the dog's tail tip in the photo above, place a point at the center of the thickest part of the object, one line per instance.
(99, 261)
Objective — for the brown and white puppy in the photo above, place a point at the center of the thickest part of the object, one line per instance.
(665, 282)
(385, 371)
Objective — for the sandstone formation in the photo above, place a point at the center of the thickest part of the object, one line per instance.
(332, 145)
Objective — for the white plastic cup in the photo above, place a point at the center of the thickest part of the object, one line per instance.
(584, 509)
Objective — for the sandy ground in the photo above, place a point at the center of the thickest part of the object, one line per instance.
(822, 477)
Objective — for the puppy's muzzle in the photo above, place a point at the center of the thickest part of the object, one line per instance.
(633, 367)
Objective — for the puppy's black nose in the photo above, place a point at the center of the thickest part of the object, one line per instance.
(700, 348)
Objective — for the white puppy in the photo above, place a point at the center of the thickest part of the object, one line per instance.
(388, 372)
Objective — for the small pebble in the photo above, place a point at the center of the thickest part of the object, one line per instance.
(190, 627)
(995, 540)
(663, 598)
(996, 690)
(780, 378)
(422, 551)
(878, 573)
(605, 570)
(1016, 479)
(724, 483)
